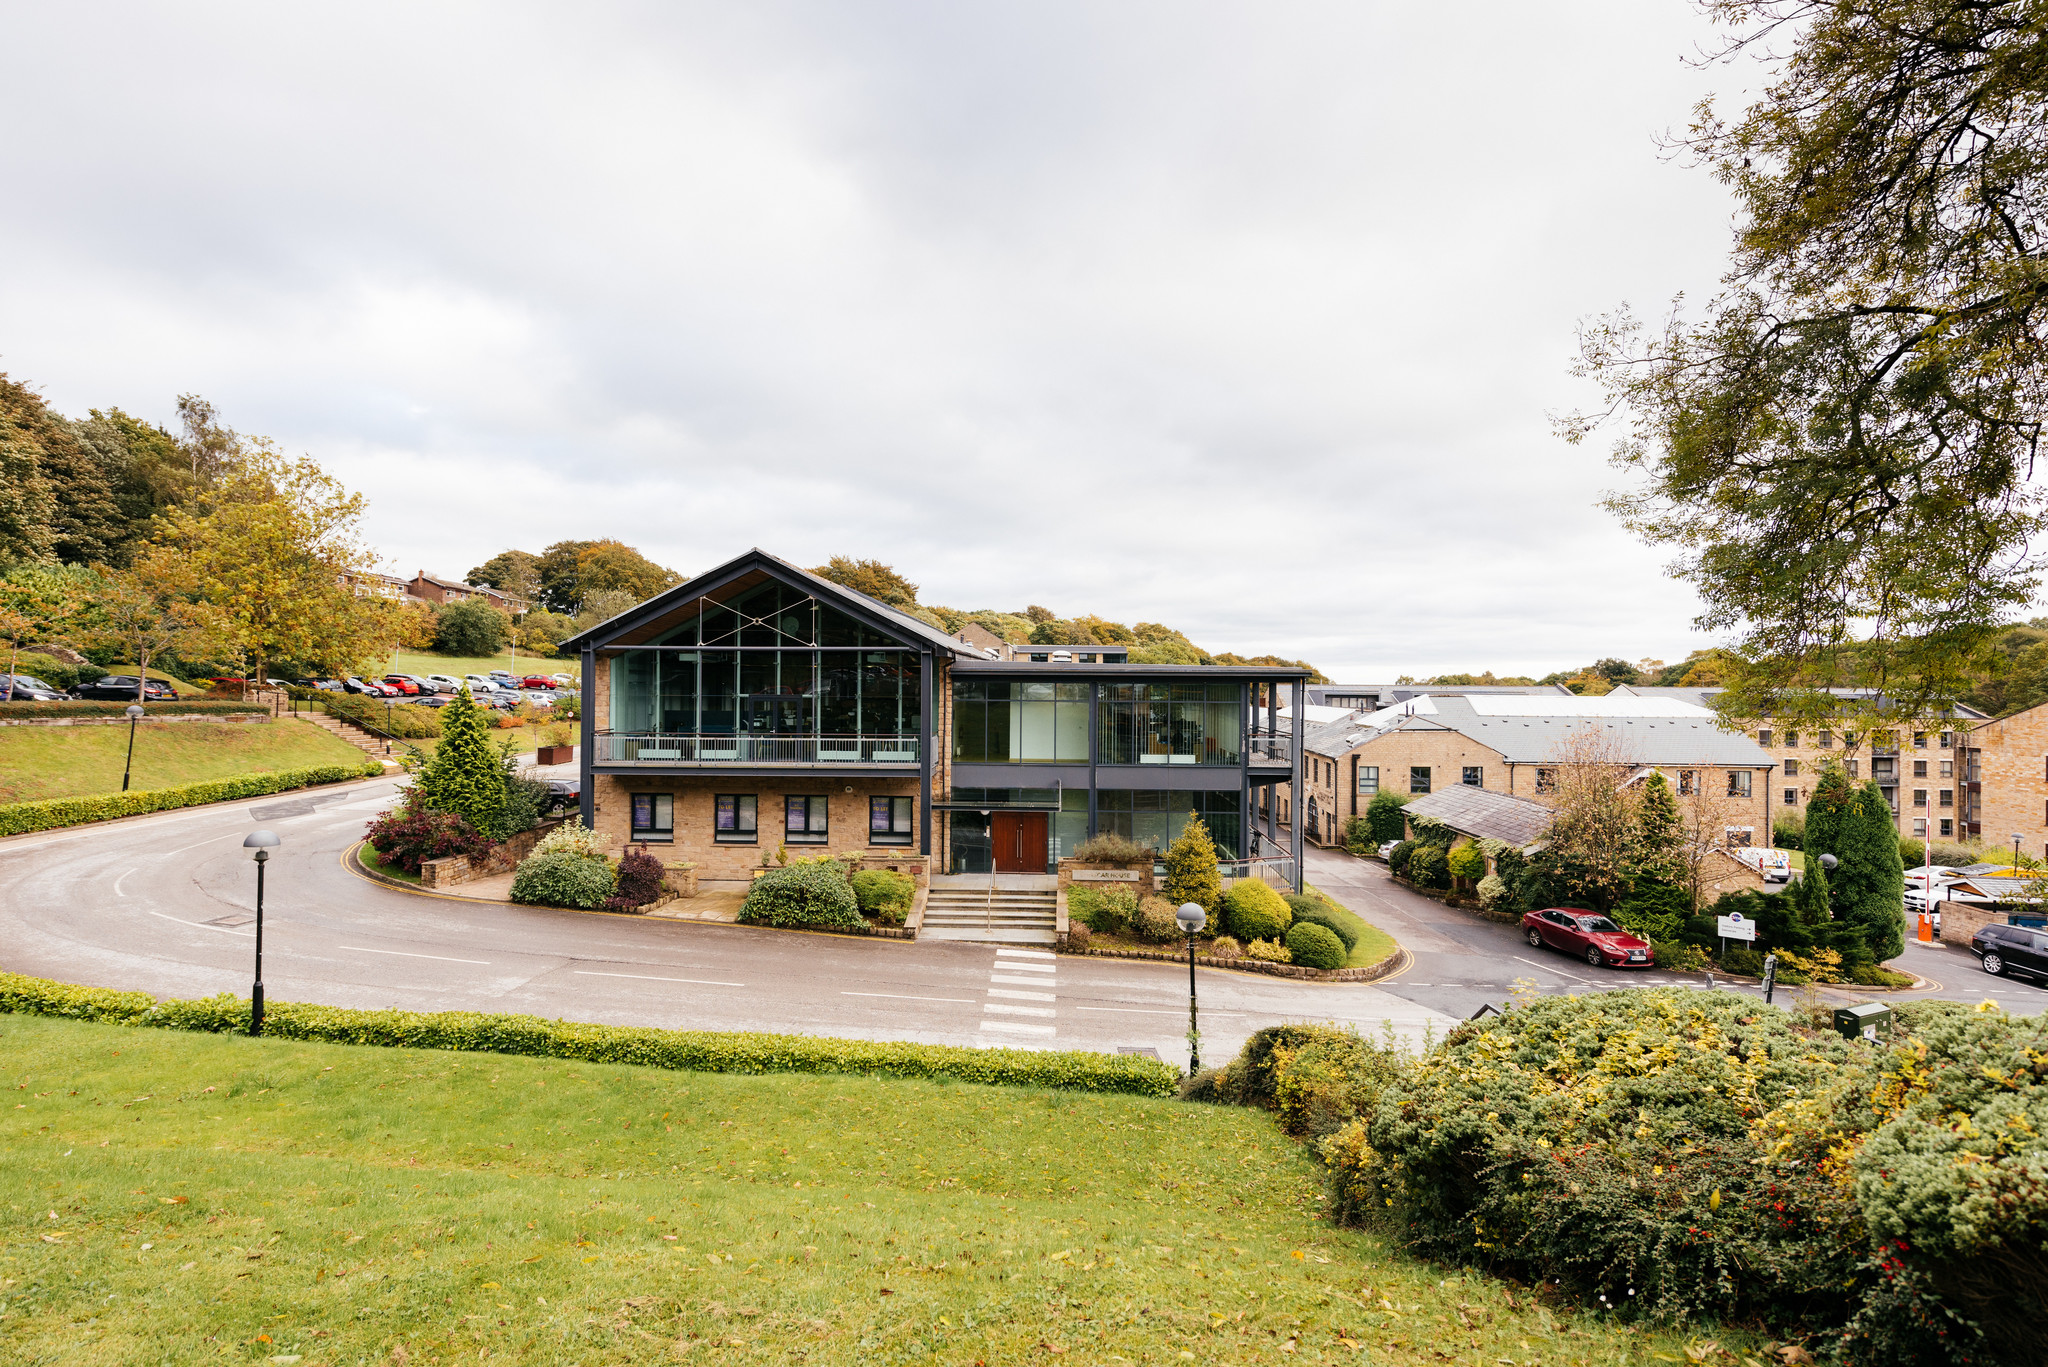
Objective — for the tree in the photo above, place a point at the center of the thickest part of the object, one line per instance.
(145, 468)
(571, 571)
(151, 608)
(1661, 830)
(269, 547)
(34, 601)
(466, 774)
(1869, 883)
(871, 577)
(473, 628)
(1383, 817)
(1595, 837)
(515, 572)
(84, 523)
(1191, 871)
(413, 626)
(1842, 446)
(210, 446)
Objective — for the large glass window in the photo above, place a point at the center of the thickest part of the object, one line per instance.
(654, 817)
(1368, 779)
(1160, 723)
(1020, 721)
(806, 820)
(1155, 818)
(889, 821)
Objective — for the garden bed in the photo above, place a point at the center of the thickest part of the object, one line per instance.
(1371, 973)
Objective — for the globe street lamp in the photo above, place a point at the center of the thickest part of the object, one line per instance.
(134, 716)
(1191, 916)
(2016, 839)
(263, 842)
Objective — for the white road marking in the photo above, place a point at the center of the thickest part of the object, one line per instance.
(245, 934)
(1024, 982)
(900, 997)
(1015, 995)
(1004, 1009)
(211, 840)
(119, 881)
(364, 949)
(648, 977)
(1020, 1028)
(1028, 968)
(1150, 1011)
(1553, 969)
(1028, 953)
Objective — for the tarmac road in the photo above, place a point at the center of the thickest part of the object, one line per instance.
(165, 904)
(1462, 962)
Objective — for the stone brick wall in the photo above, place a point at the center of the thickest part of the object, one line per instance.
(1809, 754)
(502, 857)
(695, 815)
(2011, 780)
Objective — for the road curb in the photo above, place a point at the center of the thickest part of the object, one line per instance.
(169, 813)
(1397, 962)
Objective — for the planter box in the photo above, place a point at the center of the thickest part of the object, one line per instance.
(556, 754)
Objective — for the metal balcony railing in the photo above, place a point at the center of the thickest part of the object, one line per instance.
(654, 748)
(1270, 749)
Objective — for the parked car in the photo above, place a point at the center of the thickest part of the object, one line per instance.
(563, 793)
(501, 699)
(503, 676)
(446, 683)
(1588, 936)
(435, 700)
(565, 680)
(404, 683)
(369, 688)
(121, 688)
(537, 681)
(539, 699)
(327, 685)
(2011, 949)
(1387, 847)
(28, 688)
(480, 683)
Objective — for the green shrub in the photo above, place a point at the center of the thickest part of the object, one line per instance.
(1298, 902)
(1955, 856)
(473, 628)
(1253, 911)
(1105, 910)
(1398, 857)
(1428, 867)
(1156, 920)
(703, 1051)
(1225, 947)
(1912, 852)
(1495, 895)
(1466, 862)
(1654, 911)
(1788, 832)
(203, 707)
(885, 894)
(1191, 871)
(802, 894)
(19, 817)
(1111, 848)
(1268, 951)
(1316, 911)
(1384, 819)
(1315, 946)
(1358, 836)
(563, 880)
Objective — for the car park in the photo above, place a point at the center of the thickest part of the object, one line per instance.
(2003, 950)
(1587, 935)
(503, 676)
(369, 688)
(122, 688)
(28, 688)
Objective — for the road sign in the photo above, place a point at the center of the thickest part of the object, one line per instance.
(1735, 927)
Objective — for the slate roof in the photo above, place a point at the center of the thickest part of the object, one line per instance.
(1485, 814)
(1704, 697)
(1531, 730)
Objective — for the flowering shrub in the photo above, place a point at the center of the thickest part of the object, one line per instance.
(571, 837)
(406, 838)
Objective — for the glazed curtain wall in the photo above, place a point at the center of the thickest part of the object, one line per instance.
(766, 692)
(968, 842)
(996, 721)
(1154, 817)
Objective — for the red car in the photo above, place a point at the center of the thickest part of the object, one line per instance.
(402, 684)
(538, 681)
(1587, 935)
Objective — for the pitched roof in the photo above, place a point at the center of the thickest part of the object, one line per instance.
(1704, 697)
(1530, 730)
(1485, 814)
(907, 627)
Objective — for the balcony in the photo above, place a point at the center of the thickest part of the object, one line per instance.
(666, 750)
(1265, 750)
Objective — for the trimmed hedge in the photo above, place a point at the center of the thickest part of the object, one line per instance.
(1316, 946)
(1253, 911)
(204, 707)
(562, 879)
(803, 894)
(17, 818)
(701, 1051)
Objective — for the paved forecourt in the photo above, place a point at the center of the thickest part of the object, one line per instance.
(164, 904)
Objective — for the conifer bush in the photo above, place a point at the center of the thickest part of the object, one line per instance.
(1191, 871)
(1157, 922)
(466, 773)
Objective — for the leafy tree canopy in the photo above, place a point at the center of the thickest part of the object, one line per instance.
(1840, 447)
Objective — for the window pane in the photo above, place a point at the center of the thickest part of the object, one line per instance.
(1368, 778)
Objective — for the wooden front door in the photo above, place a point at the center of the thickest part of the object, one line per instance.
(1019, 839)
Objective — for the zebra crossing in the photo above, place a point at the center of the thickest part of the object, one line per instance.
(1021, 994)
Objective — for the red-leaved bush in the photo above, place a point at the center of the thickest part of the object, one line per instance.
(407, 838)
(640, 876)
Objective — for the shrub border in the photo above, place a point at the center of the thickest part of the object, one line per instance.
(1395, 962)
(702, 1051)
(49, 814)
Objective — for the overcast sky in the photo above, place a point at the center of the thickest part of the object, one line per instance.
(1243, 318)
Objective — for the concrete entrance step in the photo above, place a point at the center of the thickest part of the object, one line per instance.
(1000, 935)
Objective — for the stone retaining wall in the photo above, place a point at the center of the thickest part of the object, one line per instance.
(1370, 973)
(230, 717)
(502, 857)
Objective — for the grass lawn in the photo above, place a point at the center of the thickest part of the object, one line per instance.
(376, 861)
(78, 761)
(409, 662)
(1373, 944)
(184, 1198)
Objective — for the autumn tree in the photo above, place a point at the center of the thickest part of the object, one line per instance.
(570, 572)
(269, 547)
(515, 572)
(871, 577)
(154, 607)
(35, 601)
(1841, 447)
(1598, 833)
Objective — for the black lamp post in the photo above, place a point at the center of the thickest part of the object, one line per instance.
(262, 842)
(1191, 918)
(2016, 838)
(134, 716)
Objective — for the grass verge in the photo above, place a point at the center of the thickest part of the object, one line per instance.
(373, 860)
(42, 762)
(1373, 944)
(423, 664)
(185, 1198)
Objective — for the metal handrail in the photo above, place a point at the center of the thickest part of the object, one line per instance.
(657, 747)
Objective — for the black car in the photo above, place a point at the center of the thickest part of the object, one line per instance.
(562, 794)
(121, 688)
(30, 689)
(2012, 949)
